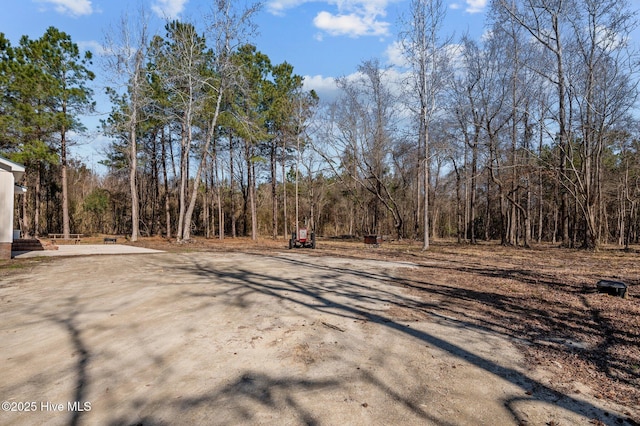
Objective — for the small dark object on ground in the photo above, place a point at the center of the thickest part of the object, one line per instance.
(372, 240)
(335, 327)
(108, 240)
(613, 288)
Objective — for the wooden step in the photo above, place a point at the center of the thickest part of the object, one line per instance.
(27, 245)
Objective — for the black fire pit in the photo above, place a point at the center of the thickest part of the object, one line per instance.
(613, 288)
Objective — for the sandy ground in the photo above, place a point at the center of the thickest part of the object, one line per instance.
(213, 338)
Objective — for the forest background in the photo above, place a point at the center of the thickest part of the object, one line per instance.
(529, 134)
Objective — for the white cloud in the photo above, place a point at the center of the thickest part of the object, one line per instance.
(277, 7)
(71, 7)
(325, 87)
(472, 6)
(395, 56)
(475, 6)
(353, 18)
(609, 40)
(93, 46)
(170, 9)
(454, 53)
(394, 80)
(352, 24)
(487, 35)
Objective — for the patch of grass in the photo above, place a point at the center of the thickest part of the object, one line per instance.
(10, 266)
(7, 266)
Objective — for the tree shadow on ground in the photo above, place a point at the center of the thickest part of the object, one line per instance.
(536, 312)
(319, 295)
(68, 320)
(341, 291)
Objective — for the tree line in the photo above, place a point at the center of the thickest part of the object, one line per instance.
(529, 134)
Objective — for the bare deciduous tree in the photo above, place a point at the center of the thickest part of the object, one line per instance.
(363, 135)
(427, 56)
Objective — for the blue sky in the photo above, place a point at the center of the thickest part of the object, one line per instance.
(327, 38)
(322, 39)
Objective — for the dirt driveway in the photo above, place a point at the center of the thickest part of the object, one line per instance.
(233, 338)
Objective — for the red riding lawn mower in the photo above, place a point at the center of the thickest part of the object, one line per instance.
(302, 239)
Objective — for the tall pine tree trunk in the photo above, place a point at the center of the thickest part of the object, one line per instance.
(184, 176)
(232, 189)
(251, 176)
(218, 190)
(66, 227)
(133, 166)
(38, 196)
(167, 201)
(274, 193)
(285, 219)
(201, 165)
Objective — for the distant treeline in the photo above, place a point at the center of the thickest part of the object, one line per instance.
(527, 135)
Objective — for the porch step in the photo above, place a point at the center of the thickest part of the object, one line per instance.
(27, 245)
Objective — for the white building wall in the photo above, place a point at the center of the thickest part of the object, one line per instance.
(6, 206)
